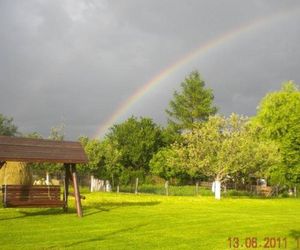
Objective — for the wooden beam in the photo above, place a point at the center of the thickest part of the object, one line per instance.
(76, 191)
(66, 185)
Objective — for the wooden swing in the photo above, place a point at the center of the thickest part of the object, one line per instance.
(36, 151)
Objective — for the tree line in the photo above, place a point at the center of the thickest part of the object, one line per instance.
(198, 143)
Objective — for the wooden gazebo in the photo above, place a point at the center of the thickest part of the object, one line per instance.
(41, 150)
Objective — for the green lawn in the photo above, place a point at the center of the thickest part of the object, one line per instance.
(128, 221)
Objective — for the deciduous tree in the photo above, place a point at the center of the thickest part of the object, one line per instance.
(223, 146)
(137, 140)
(278, 116)
(7, 127)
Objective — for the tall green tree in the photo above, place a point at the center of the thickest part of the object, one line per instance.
(194, 103)
(7, 127)
(136, 140)
(278, 117)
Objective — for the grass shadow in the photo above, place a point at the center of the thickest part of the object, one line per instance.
(86, 211)
(128, 203)
(43, 212)
(100, 207)
(108, 206)
(295, 234)
(101, 237)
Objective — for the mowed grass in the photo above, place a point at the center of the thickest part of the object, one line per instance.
(128, 221)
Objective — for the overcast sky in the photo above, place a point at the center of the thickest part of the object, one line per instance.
(76, 62)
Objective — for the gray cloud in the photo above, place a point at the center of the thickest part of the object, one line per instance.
(77, 61)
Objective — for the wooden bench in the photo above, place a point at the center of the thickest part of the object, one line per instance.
(31, 196)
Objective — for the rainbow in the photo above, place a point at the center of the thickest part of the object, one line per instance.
(196, 53)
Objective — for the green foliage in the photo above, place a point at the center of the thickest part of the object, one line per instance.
(112, 167)
(170, 135)
(94, 151)
(193, 104)
(57, 133)
(104, 160)
(7, 127)
(164, 164)
(136, 140)
(222, 147)
(278, 117)
(34, 135)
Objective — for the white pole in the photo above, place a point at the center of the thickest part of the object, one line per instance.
(47, 178)
(92, 183)
(217, 190)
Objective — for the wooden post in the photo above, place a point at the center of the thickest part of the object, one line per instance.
(76, 191)
(136, 185)
(66, 186)
(197, 187)
(167, 188)
(4, 197)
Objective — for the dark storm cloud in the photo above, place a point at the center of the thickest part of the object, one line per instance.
(76, 61)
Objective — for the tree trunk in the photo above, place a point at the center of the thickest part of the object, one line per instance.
(112, 181)
(15, 173)
(217, 189)
(197, 188)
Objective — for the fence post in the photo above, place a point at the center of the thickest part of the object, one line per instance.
(92, 183)
(167, 188)
(136, 185)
